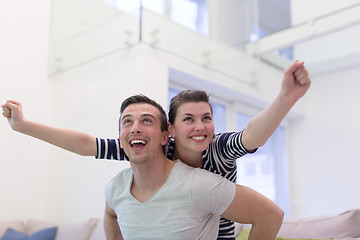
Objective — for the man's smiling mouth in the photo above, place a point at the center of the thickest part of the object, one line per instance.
(137, 142)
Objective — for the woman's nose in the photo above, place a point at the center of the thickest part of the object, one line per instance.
(199, 126)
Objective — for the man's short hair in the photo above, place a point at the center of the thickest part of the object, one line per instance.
(140, 98)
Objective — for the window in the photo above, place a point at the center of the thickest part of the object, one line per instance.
(191, 14)
(172, 92)
(271, 16)
(219, 111)
(265, 170)
(126, 6)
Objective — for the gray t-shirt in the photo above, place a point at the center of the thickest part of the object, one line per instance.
(187, 206)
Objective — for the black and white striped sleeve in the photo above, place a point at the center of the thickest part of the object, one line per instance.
(110, 149)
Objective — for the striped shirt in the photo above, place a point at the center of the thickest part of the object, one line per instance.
(219, 157)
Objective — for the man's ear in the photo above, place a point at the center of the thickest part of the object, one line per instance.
(120, 142)
(165, 137)
(171, 130)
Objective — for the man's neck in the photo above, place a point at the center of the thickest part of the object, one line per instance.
(149, 177)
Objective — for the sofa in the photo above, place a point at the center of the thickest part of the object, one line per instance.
(344, 226)
(91, 229)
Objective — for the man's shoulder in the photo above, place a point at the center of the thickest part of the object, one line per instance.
(123, 175)
(117, 185)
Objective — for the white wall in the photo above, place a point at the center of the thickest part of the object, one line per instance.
(324, 163)
(23, 59)
(324, 160)
(238, 15)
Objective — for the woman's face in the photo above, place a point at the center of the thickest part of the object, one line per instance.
(193, 128)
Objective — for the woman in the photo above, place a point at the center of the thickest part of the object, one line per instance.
(191, 125)
(192, 129)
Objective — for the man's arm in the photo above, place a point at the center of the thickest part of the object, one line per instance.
(112, 230)
(295, 84)
(73, 141)
(249, 206)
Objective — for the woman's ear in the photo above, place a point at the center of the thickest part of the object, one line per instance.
(171, 130)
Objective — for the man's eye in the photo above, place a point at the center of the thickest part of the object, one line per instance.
(126, 122)
(146, 120)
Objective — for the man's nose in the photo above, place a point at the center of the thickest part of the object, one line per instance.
(136, 128)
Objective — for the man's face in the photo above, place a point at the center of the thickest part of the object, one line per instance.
(141, 136)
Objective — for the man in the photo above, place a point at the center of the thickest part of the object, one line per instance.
(162, 199)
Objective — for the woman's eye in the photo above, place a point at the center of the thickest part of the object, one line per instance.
(207, 118)
(187, 119)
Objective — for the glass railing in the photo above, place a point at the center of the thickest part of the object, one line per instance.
(324, 42)
(80, 36)
(83, 38)
(93, 29)
(163, 34)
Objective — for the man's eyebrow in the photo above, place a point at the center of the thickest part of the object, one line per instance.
(148, 115)
(142, 115)
(125, 116)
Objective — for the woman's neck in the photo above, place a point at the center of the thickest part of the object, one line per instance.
(193, 159)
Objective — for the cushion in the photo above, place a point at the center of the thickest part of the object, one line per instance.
(16, 225)
(244, 235)
(345, 225)
(78, 231)
(44, 234)
(238, 228)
